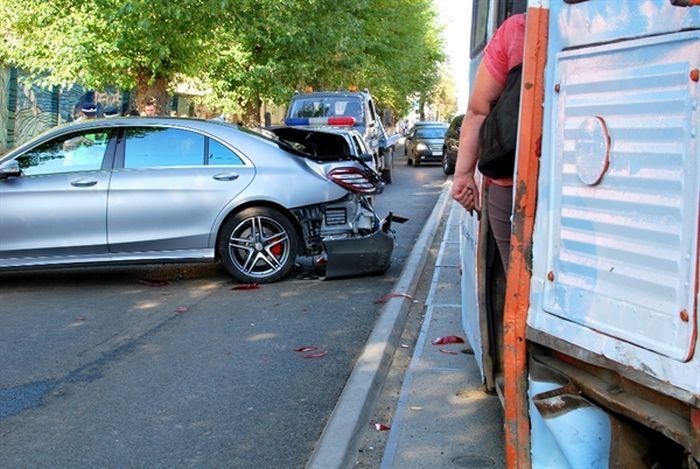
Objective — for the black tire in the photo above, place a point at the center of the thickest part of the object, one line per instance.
(448, 166)
(258, 245)
(409, 161)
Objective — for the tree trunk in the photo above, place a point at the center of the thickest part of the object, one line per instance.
(251, 112)
(147, 88)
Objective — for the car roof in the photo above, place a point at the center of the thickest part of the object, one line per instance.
(433, 123)
(201, 125)
(324, 94)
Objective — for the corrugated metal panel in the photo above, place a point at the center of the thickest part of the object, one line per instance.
(624, 246)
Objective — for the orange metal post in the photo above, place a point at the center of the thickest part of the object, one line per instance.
(517, 424)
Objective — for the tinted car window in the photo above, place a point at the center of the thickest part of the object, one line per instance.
(75, 152)
(220, 155)
(148, 147)
(359, 145)
(430, 132)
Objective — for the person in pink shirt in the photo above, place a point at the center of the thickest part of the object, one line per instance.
(503, 52)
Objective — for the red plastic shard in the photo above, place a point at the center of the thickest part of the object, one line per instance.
(449, 352)
(305, 349)
(247, 286)
(316, 355)
(153, 283)
(448, 339)
(181, 309)
(386, 298)
(381, 427)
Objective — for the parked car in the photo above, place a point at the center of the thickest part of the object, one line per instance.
(140, 190)
(451, 144)
(424, 143)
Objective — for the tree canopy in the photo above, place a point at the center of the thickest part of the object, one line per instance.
(243, 52)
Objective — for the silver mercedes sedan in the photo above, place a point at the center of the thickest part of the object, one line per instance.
(152, 190)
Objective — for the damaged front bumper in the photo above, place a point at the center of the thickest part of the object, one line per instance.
(360, 255)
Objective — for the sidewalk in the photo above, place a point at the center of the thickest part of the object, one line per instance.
(443, 417)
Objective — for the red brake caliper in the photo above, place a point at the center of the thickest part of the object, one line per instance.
(276, 250)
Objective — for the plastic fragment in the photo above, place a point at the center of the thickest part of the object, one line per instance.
(306, 349)
(247, 286)
(153, 283)
(316, 354)
(181, 309)
(381, 427)
(404, 345)
(416, 408)
(386, 298)
(449, 352)
(448, 339)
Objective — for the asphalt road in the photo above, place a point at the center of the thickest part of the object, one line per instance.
(101, 369)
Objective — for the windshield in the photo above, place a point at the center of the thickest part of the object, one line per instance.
(430, 132)
(327, 106)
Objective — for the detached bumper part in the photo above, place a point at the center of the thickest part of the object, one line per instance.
(361, 255)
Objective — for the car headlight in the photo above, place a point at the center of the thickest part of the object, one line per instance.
(422, 147)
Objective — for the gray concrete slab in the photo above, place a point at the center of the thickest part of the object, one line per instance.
(443, 417)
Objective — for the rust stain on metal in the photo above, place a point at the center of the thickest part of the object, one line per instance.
(684, 315)
(695, 74)
(516, 420)
(550, 276)
(559, 405)
(528, 85)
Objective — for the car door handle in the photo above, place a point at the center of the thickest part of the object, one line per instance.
(83, 182)
(225, 176)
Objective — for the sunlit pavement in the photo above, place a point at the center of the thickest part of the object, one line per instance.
(443, 417)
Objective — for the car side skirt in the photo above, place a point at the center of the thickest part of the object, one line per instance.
(147, 257)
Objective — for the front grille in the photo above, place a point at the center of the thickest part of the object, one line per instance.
(336, 216)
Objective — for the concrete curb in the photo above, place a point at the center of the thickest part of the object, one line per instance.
(338, 445)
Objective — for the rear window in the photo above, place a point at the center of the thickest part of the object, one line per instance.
(328, 106)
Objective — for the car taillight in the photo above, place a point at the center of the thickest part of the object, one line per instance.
(352, 179)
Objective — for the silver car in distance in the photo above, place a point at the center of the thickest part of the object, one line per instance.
(152, 190)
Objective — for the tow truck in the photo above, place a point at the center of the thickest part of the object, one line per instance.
(347, 108)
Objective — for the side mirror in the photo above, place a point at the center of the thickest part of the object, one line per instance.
(10, 169)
